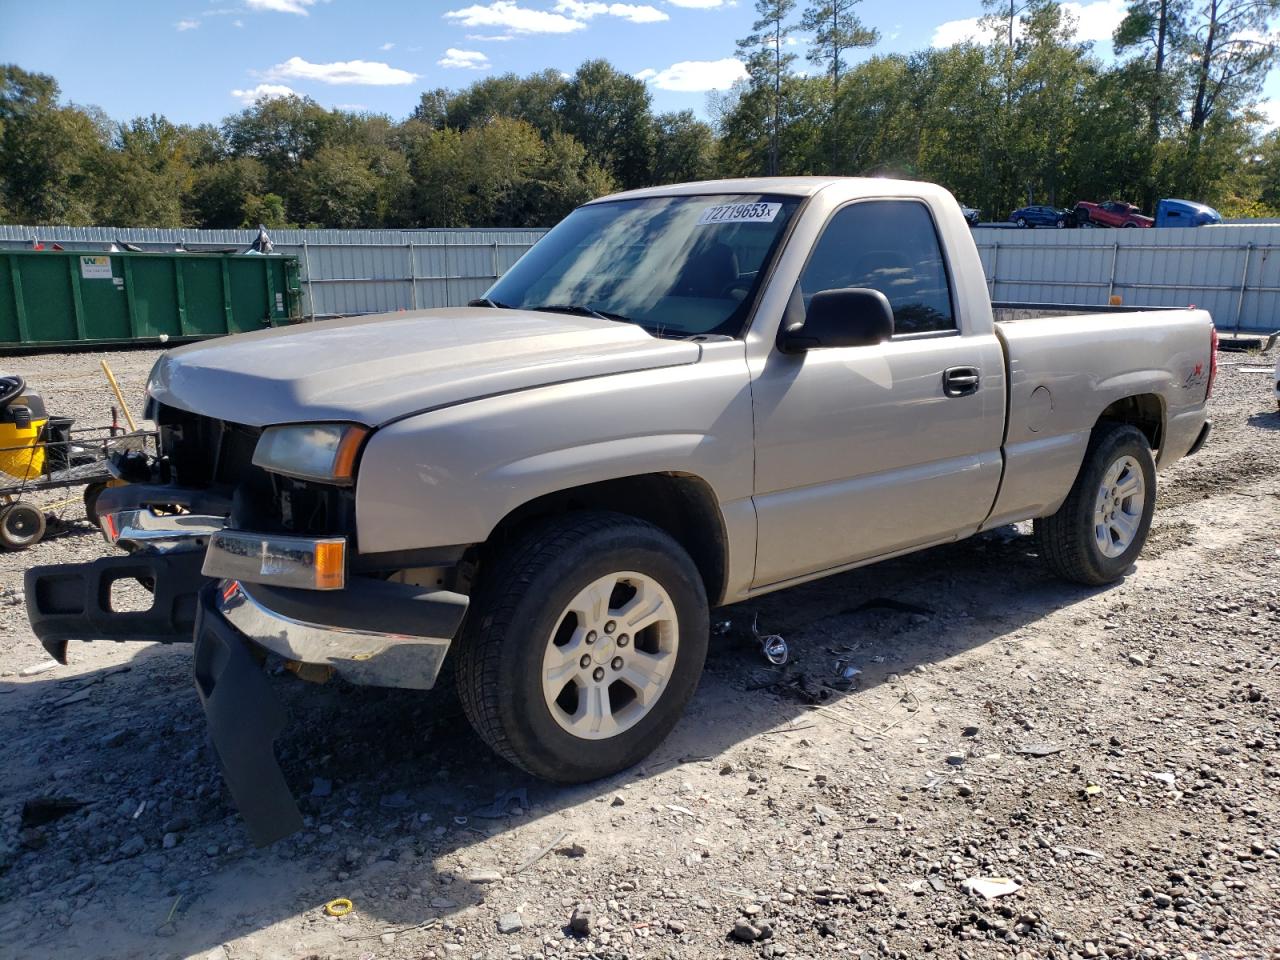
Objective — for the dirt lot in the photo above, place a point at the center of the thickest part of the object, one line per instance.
(1114, 753)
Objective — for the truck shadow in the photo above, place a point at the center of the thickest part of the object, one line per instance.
(398, 793)
(1269, 420)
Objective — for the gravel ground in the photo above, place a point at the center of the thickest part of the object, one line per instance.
(1112, 754)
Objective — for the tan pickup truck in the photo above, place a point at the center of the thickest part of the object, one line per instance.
(680, 398)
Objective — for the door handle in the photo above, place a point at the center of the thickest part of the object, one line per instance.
(960, 381)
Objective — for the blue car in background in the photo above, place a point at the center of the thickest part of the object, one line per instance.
(1041, 216)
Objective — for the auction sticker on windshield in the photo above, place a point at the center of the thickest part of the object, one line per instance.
(740, 213)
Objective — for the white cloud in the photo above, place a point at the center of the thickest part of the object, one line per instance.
(237, 23)
(182, 25)
(1096, 20)
(387, 46)
(1270, 110)
(298, 7)
(369, 73)
(263, 90)
(464, 59)
(635, 13)
(490, 38)
(701, 4)
(509, 15)
(951, 32)
(695, 76)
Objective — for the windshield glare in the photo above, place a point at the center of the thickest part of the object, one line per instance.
(677, 266)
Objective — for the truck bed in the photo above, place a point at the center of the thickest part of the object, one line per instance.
(1066, 369)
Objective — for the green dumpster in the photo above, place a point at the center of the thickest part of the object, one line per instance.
(67, 298)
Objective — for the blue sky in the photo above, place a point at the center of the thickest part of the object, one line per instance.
(198, 61)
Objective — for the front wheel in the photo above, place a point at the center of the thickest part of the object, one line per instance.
(1100, 529)
(1022, 222)
(584, 645)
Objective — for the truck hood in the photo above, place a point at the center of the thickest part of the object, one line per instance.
(374, 369)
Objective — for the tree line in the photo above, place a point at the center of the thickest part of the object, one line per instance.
(1024, 112)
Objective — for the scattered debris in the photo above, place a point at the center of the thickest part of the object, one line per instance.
(510, 923)
(77, 697)
(38, 668)
(542, 852)
(38, 811)
(990, 887)
(580, 920)
(1040, 749)
(339, 907)
(505, 804)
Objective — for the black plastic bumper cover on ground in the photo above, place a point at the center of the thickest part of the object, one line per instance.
(245, 718)
(72, 601)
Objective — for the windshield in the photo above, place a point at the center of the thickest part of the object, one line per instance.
(677, 266)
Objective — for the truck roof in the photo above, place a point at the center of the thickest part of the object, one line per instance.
(785, 186)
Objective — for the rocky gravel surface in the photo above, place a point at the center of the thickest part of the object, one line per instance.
(964, 758)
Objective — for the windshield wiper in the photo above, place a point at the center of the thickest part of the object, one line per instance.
(487, 302)
(582, 311)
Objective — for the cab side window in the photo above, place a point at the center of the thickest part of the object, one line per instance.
(890, 246)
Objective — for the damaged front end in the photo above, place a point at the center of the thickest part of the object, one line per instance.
(248, 564)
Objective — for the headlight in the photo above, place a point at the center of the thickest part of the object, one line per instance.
(311, 451)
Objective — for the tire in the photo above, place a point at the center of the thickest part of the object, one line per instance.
(1060, 223)
(1071, 541)
(1022, 222)
(91, 494)
(22, 525)
(520, 620)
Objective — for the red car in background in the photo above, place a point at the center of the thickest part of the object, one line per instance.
(1113, 213)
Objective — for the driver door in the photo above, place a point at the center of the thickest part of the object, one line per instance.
(866, 451)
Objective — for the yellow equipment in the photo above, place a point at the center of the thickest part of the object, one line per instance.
(22, 422)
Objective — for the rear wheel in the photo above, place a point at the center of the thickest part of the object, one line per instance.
(1100, 529)
(21, 525)
(584, 645)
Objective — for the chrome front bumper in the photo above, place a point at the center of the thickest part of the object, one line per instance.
(377, 634)
(161, 532)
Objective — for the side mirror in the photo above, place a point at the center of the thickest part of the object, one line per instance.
(851, 317)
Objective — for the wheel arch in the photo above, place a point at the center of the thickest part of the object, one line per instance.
(1145, 411)
(681, 504)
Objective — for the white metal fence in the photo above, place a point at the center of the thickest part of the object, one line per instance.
(344, 272)
(1231, 270)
